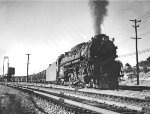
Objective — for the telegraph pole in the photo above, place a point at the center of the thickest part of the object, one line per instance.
(28, 65)
(136, 41)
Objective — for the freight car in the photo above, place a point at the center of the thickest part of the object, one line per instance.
(90, 64)
(19, 79)
(45, 76)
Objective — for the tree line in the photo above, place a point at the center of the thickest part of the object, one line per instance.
(144, 66)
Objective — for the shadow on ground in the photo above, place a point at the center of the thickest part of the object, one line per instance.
(11, 104)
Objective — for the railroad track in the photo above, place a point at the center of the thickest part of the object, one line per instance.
(89, 102)
(134, 88)
(75, 105)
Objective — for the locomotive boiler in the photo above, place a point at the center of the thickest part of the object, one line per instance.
(90, 64)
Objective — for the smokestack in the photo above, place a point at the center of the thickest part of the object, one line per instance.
(99, 10)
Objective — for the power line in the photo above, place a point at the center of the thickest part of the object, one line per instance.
(133, 53)
(145, 25)
(145, 18)
(144, 33)
(144, 21)
(146, 14)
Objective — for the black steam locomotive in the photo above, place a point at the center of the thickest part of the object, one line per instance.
(90, 64)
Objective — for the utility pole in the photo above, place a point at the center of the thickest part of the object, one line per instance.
(136, 41)
(28, 65)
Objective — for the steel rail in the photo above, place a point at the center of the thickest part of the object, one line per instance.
(75, 103)
(134, 88)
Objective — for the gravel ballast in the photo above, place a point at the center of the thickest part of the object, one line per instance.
(13, 101)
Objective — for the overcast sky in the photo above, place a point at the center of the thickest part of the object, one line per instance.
(46, 29)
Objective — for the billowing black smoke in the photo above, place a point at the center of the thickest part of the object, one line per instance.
(99, 10)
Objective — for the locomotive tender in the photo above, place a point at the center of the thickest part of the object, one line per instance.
(89, 64)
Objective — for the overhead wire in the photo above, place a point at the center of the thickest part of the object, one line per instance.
(133, 53)
(144, 23)
(142, 16)
(144, 33)
(146, 17)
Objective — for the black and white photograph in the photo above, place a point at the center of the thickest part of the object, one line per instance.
(74, 56)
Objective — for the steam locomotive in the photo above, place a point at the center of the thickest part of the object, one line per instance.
(90, 64)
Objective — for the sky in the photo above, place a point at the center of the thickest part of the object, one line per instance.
(47, 28)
